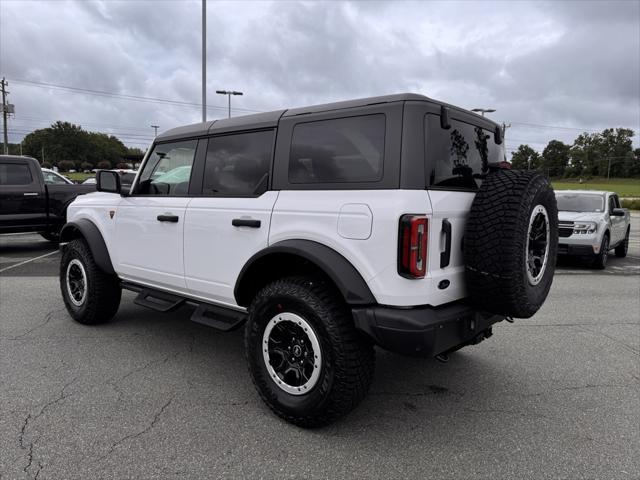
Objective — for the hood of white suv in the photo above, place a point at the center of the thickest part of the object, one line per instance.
(580, 216)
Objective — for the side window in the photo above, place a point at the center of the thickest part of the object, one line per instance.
(612, 203)
(238, 164)
(15, 174)
(616, 201)
(168, 169)
(460, 155)
(338, 150)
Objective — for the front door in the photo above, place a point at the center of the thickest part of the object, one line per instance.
(23, 203)
(230, 221)
(150, 222)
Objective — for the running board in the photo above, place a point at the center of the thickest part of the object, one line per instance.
(158, 301)
(222, 319)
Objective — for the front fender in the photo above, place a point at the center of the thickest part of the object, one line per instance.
(86, 229)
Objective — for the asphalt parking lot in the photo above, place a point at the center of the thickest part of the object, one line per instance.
(157, 396)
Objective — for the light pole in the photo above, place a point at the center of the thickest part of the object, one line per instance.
(155, 128)
(228, 93)
(204, 60)
(482, 111)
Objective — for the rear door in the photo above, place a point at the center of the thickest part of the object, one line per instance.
(229, 221)
(150, 222)
(22, 198)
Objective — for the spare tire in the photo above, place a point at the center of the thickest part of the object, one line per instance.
(511, 242)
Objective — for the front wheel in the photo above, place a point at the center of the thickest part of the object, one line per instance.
(600, 262)
(623, 248)
(308, 362)
(90, 295)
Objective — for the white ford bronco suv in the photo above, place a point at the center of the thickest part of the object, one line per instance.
(325, 230)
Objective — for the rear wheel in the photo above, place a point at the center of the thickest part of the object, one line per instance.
(308, 362)
(90, 295)
(600, 262)
(623, 248)
(510, 243)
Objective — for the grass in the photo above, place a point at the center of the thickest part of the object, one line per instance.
(630, 204)
(624, 187)
(78, 177)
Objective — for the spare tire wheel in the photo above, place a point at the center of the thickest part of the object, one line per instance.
(510, 243)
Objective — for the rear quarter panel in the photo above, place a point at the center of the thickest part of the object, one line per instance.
(315, 215)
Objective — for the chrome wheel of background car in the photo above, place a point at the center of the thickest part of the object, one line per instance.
(291, 353)
(537, 244)
(76, 278)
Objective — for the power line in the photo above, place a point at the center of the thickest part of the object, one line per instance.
(138, 98)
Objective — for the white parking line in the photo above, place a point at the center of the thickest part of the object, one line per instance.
(27, 261)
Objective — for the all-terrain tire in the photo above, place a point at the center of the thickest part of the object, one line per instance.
(347, 357)
(600, 260)
(501, 260)
(623, 247)
(102, 291)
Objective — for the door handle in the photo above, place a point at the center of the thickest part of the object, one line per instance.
(245, 222)
(168, 218)
(445, 257)
(30, 194)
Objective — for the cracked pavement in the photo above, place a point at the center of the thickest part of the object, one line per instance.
(153, 395)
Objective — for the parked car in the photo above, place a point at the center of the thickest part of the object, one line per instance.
(89, 181)
(591, 223)
(32, 199)
(386, 220)
(54, 178)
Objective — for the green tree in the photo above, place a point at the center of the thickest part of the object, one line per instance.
(525, 158)
(555, 158)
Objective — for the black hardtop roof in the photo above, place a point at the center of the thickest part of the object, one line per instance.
(270, 119)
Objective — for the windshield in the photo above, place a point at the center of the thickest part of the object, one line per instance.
(580, 202)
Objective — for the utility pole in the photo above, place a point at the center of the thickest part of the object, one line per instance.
(5, 112)
(42, 156)
(155, 128)
(204, 60)
(228, 93)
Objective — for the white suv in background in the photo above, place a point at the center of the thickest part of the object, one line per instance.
(324, 230)
(590, 224)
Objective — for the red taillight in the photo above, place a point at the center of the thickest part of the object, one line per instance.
(412, 246)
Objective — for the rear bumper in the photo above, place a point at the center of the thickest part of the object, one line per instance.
(424, 331)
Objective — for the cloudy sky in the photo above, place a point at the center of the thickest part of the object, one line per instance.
(552, 70)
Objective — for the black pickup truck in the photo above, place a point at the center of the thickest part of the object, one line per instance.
(28, 203)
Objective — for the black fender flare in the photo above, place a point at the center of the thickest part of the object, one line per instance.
(86, 229)
(347, 279)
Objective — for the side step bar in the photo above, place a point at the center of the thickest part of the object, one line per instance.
(220, 318)
(158, 301)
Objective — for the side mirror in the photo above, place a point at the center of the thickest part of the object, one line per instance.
(108, 181)
(617, 212)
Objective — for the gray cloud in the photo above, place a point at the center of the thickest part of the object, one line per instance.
(563, 64)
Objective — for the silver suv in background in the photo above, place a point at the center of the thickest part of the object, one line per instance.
(591, 223)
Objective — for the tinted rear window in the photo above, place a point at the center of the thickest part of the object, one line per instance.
(338, 150)
(459, 156)
(238, 164)
(15, 174)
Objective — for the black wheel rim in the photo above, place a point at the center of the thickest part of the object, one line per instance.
(537, 244)
(76, 279)
(291, 352)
